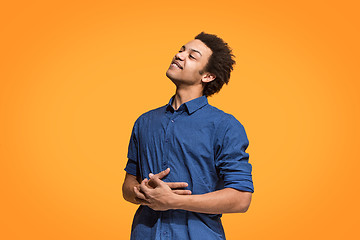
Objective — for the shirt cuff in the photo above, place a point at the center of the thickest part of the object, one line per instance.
(131, 167)
(245, 184)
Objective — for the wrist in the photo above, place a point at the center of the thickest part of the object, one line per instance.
(178, 201)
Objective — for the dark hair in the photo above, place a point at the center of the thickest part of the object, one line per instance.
(220, 62)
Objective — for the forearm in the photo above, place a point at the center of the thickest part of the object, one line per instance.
(129, 195)
(128, 189)
(226, 200)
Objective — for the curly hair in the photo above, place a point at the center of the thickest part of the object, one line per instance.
(220, 62)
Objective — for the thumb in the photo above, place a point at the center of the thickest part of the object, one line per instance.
(162, 174)
(156, 181)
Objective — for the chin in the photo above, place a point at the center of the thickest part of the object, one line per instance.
(169, 75)
(174, 80)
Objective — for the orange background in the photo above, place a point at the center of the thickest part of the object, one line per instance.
(75, 75)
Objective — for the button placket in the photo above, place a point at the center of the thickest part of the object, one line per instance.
(168, 134)
(167, 140)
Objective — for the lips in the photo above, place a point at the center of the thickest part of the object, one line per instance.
(177, 64)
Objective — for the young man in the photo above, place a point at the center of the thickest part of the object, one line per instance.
(186, 160)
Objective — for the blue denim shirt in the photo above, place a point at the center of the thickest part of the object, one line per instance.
(203, 146)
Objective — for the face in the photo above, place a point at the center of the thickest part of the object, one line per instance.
(188, 62)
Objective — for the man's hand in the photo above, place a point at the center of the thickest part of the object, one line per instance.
(132, 181)
(162, 196)
(157, 194)
(175, 186)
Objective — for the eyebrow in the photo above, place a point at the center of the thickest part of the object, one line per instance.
(192, 49)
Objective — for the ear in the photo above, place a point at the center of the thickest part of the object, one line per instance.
(208, 77)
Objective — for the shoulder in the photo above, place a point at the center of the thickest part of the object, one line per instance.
(225, 120)
(228, 127)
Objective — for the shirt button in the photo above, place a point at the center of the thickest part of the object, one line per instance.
(172, 120)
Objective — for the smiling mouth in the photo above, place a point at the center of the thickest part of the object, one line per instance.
(177, 65)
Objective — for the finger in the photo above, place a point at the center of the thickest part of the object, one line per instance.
(148, 184)
(143, 187)
(151, 183)
(138, 187)
(177, 184)
(182, 192)
(162, 174)
(138, 194)
(155, 181)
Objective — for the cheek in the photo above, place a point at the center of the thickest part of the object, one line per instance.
(194, 70)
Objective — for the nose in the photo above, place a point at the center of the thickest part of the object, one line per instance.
(180, 55)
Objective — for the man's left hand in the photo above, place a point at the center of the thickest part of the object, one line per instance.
(159, 198)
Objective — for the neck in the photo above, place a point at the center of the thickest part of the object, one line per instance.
(183, 95)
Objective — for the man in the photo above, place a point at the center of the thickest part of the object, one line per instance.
(187, 163)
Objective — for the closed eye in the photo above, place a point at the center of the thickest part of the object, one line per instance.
(191, 56)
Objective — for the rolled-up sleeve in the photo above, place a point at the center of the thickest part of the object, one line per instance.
(132, 155)
(232, 162)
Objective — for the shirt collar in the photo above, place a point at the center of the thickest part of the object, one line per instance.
(192, 105)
